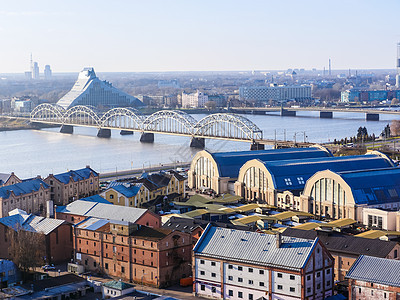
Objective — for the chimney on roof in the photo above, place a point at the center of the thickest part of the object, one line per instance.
(278, 239)
(87, 166)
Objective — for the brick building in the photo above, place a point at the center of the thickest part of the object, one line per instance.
(234, 264)
(345, 249)
(57, 234)
(72, 185)
(79, 210)
(135, 253)
(30, 195)
(374, 278)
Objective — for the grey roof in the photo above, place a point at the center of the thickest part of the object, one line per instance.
(376, 270)
(103, 211)
(92, 223)
(254, 248)
(31, 223)
(338, 242)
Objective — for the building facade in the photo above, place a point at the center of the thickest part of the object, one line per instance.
(73, 185)
(140, 254)
(30, 195)
(374, 278)
(275, 93)
(359, 95)
(194, 100)
(216, 170)
(382, 218)
(234, 264)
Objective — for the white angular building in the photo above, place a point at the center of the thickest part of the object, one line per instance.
(194, 100)
(90, 90)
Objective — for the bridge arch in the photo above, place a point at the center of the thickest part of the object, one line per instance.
(122, 117)
(170, 121)
(81, 114)
(225, 125)
(48, 112)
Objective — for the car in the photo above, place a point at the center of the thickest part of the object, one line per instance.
(48, 267)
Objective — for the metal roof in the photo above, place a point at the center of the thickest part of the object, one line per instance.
(76, 175)
(96, 198)
(374, 186)
(103, 211)
(29, 222)
(21, 188)
(229, 163)
(376, 270)
(255, 248)
(92, 223)
(293, 174)
(128, 191)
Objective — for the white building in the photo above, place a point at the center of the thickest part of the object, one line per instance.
(47, 72)
(382, 219)
(194, 100)
(275, 93)
(35, 71)
(235, 264)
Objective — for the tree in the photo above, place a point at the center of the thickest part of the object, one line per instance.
(395, 127)
(395, 101)
(27, 249)
(386, 131)
(210, 105)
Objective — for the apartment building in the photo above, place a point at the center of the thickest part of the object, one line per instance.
(30, 195)
(72, 185)
(235, 264)
(194, 100)
(136, 192)
(135, 253)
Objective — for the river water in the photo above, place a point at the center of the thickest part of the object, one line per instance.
(41, 152)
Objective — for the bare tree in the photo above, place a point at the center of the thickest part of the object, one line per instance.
(27, 249)
(395, 127)
(395, 101)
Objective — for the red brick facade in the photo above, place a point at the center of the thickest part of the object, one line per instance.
(363, 290)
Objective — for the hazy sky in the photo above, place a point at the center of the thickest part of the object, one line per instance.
(185, 35)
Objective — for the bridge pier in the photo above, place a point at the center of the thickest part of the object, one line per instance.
(147, 137)
(198, 143)
(288, 113)
(326, 114)
(104, 133)
(126, 132)
(257, 146)
(67, 129)
(372, 117)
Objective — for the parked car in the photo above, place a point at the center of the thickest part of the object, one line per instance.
(48, 267)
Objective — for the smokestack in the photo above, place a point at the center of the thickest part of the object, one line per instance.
(330, 70)
(278, 239)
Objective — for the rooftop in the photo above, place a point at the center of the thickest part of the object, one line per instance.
(21, 188)
(376, 270)
(255, 248)
(118, 285)
(75, 175)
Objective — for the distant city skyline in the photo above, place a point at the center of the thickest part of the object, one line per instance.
(178, 35)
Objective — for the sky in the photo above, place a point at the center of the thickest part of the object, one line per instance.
(206, 35)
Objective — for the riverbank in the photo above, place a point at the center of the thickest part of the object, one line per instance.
(15, 123)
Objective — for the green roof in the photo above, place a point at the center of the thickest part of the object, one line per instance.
(118, 285)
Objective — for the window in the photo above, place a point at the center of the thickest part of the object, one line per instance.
(395, 254)
(202, 273)
(203, 287)
(359, 290)
(250, 270)
(230, 277)
(300, 180)
(250, 296)
(240, 294)
(288, 181)
(122, 269)
(308, 290)
(318, 274)
(106, 266)
(251, 281)
(318, 286)
(202, 261)
(261, 272)
(213, 289)
(230, 293)
(328, 271)
(261, 283)
(240, 279)
(213, 263)
(230, 267)
(213, 275)
(111, 196)
(94, 264)
(292, 277)
(280, 287)
(292, 289)
(279, 275)
(240, 268)
(328, 283)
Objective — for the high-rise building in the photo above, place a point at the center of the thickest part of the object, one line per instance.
(47, 72)
(35, 72)
(90, 90)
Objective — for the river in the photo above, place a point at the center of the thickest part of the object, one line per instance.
(40, 152)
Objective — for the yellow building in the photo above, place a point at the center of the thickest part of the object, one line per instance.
(135, 193)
